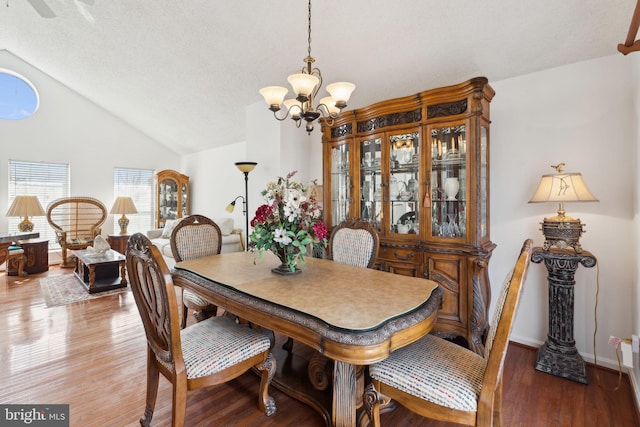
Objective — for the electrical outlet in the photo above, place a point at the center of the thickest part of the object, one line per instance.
(614, 341)
(635, 343)
(627, 354)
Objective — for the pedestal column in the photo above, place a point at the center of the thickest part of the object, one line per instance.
(559, 356)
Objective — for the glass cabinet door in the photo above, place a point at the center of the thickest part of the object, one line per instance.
(403, 185)
(340, 184)
(371, 181)
(448, 182)
(168, 200)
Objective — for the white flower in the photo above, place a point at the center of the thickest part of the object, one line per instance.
(295, 197)
(280, 236)
(291, 211)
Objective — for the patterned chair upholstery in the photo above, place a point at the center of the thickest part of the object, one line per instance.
(195, 236)
(444, 381)
(354, 242)
(210, 352)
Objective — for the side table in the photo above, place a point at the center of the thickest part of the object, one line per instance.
(558, 355)
(37, 257)
(118, 242)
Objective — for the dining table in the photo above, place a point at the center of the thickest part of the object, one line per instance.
(354, 316)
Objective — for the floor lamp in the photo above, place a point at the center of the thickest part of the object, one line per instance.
(245, 168)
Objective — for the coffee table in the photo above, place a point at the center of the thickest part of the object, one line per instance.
(100, 272)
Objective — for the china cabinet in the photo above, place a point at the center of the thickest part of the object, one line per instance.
(172, 196)
(417, 168)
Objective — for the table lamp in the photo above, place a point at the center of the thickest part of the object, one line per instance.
(561, 230)
(123, 205)
(25, 206)
(245, 168)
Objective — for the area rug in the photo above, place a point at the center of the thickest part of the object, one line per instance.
(66, 289)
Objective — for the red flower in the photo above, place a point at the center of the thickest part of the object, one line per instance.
(262, 213)
(320, 230)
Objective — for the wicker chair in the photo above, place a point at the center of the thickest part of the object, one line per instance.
(443, 381)
(210, 352)
(195, 236)
(76, 222)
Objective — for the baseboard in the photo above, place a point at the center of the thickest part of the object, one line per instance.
(588, 357)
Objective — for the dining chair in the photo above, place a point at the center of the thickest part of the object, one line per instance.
(354, 242)
(444, 381)
(210, 352)
(195, 236)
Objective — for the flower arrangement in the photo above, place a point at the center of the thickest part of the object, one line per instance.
(288, 223)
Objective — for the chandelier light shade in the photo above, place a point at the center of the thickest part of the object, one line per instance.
(562, 230)
(123, 205)
(24, 207)
(306, 84)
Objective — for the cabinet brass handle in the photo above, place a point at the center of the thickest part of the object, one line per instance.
(407, 258)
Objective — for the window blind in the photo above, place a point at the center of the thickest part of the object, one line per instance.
(137, 184)
(47, 181)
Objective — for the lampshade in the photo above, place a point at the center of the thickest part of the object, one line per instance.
(561, 230)
(274, 94)
(562, 187)
(341, 92)
(246, 167)
(123, 205)
(25, 206)
(303, 84)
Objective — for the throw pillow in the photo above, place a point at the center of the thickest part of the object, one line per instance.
(225, 224)
(169, 225)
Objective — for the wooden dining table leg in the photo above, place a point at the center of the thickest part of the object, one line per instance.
(344, 394)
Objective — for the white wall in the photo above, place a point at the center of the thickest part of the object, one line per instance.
(582, 115)
(68, 128)
(635, 373)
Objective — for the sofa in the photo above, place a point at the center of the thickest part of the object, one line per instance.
(232, 239)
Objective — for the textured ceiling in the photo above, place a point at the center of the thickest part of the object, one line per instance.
(183, 72)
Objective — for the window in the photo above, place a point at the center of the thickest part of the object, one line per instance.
(138, 184)
(19, 97)
(47, 181)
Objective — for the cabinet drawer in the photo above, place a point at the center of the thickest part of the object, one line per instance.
(405, 261)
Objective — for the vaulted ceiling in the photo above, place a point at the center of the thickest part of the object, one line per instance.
(183, 72)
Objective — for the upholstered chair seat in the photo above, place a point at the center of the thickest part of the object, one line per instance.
(453, 379)
(444, 381)
(210, 352)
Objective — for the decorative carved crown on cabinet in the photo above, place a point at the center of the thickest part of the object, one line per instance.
(417, 168)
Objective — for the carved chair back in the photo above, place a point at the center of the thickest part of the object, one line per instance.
(195, 236)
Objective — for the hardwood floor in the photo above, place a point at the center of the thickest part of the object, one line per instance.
(92, 355)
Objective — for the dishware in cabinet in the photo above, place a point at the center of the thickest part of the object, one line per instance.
(448, 182)
(340, 183)
(172, 196)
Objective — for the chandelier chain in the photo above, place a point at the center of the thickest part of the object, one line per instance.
(309, 32)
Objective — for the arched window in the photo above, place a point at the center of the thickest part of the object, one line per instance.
(18, 96)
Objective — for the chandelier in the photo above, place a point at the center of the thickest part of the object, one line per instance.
(306, 85)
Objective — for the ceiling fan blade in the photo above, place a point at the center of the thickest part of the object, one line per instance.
(42, 8)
